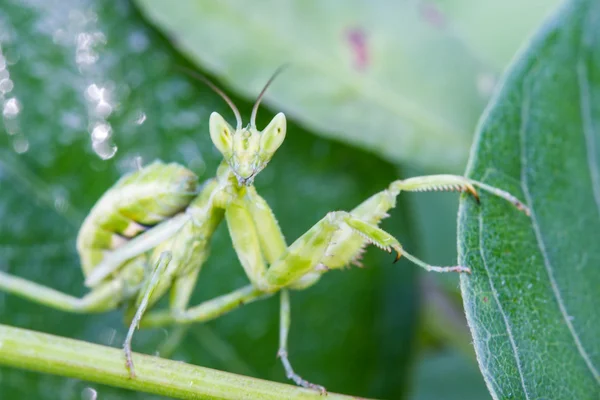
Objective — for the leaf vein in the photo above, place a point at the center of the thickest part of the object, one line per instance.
(588, 129)
(540, 240)
(499, 304)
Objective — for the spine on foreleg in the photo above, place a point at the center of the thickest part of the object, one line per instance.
(140, 199)
(347, 245)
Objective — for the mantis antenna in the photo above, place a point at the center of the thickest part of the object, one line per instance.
(238, 116)
(262, 93)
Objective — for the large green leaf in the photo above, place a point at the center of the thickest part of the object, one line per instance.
(399, 78)
(532, 300)
(483, 24)
(71, 62)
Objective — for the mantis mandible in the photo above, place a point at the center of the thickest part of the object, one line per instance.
(151, 232)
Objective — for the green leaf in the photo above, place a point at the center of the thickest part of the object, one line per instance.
(397, 78)
(483, 24)
(532, 300)
(72, 62)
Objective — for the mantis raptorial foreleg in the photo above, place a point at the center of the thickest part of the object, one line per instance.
(136, 246)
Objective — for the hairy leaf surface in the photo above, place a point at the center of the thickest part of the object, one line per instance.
(532, 300)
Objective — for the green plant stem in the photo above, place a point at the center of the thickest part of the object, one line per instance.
(21, 348)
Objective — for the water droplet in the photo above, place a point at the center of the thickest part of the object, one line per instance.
(93, 92)
(101, 98)
(101, 144)
(141, 118)
(101, 132)
(85, 53)
(89, 393)
(60, 203)
(103, 109)
(530, 286)
(105, 150)
(21, 145)
(12, 107)
(6, 85)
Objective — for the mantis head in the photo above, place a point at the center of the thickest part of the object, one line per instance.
(246, 150)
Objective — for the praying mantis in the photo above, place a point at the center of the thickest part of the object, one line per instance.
(151, 232)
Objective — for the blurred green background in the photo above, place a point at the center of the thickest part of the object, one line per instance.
(375, 91)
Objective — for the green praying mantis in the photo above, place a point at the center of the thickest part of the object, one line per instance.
(151, 232)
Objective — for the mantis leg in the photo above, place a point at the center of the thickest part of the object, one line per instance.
(105, 297)
(181, 292)
(248, 244)
(274, 247)
(205, 311)
(284, 328)
(387, 242)
(454, 182)
(189, 249)
(312, 248)
(146, 293)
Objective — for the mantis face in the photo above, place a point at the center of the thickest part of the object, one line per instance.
(247, 150)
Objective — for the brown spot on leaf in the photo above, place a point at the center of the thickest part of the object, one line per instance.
(357, 40)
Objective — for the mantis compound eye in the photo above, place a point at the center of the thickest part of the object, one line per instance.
(221, 134)
(272, 137)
